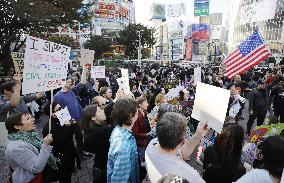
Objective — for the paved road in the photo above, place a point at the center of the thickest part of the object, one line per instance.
(85, 174)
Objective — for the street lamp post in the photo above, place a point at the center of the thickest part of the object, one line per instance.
(139, 48)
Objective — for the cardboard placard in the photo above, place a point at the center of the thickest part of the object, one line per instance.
(259, 133)
(63, 115)
(87, 57)
(98, 72)
(18, 60)
(211, 105)
(45, 65)
(197, 75)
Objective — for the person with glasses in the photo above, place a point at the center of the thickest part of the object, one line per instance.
(107, 94)
(11, 101)
(100, 101)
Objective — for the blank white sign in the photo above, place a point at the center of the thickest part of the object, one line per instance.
(211, 105)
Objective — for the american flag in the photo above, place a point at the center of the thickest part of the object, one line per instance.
(249, 53)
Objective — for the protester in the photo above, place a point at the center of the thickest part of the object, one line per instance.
(11, 102)
(25, 153)
(63, 145)
(222, 161)
(67, 97)
(107, 94)
(258, 105)
(141, 127)
(236, 103)
(277, 98)
(163, 151)
(270, 157)
(122, 165)
(96, 140)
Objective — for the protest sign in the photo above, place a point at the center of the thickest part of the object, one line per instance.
(261, 132)
(174, 93)
(211, 105)
(87, 57)
(197, 75)
(123, 82)
(45, 65)
(63, 116)
(98, 72)
(18, 60)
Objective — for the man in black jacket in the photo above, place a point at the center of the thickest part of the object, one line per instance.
(258, 104)
(277, 98)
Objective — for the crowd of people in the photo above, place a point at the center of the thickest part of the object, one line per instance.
(134, 132)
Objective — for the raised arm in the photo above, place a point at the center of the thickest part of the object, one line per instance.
(15, 99)
(188, 148)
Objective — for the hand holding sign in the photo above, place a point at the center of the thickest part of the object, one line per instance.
(17, 78)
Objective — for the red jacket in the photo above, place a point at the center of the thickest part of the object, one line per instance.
(140, 130)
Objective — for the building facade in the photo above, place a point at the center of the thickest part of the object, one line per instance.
(266, 16)
(112, 15)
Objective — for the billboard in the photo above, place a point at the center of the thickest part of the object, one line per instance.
(250, 12)
(200, 32)
(216, 19)
(201, 7)
(158, 11)
(188, 49)
(176, 10)
(216, 32)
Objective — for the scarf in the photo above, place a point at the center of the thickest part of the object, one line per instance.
(32, 138)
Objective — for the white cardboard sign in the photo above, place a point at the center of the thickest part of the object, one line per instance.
(18, 60)
(123, 82)
(211, 105)
(63, 115)
(197, 75)
(45, 65)
(98, 72)
(87, 57)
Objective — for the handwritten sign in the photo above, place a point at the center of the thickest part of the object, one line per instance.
(98, 72)
(45, 65)
(18, 60)
(63, 116)
(87, 57)
(211, 105)
(261, 132)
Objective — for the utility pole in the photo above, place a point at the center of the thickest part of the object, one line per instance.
(139, 48)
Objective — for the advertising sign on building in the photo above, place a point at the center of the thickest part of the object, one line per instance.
(176, 10)
(216, 32)
(216, 19)
(158, 11)
(200, 32)
(250, 12)
(189, 49)
(201, 8)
